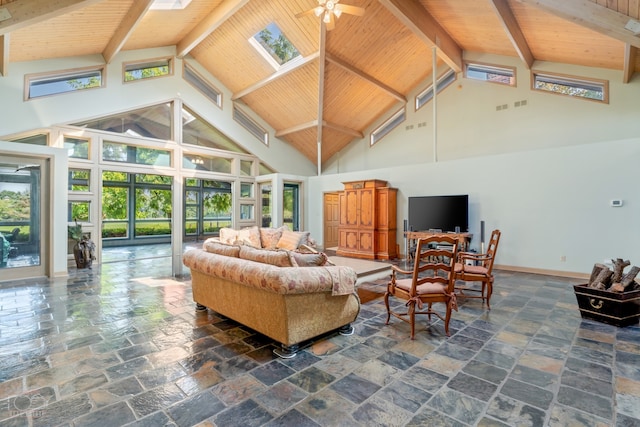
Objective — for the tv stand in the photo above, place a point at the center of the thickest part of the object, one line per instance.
(463, 239)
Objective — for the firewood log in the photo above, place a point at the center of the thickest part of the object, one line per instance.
(629, 278)
(617, 287)
(618, 267)
(597, 268)
(602, 280)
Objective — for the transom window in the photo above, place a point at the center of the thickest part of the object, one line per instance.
(490, 73)
(148, 69)
(595, 90)
(38, 85)
(274, 46)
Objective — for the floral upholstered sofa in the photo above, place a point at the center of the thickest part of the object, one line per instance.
(273, 288)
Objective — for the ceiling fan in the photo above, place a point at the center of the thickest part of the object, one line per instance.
(330, 10)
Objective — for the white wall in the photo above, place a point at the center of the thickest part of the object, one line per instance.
(17, 115)
(548, 203)
(544, 173)
(469, 126)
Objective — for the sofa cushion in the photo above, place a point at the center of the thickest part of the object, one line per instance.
(249, 236)
(265, 256)
(290, 240)
(299, 259)
(269, 237)
(216, 247)
(228, 235)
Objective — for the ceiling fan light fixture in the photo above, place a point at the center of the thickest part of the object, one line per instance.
(327, 17)
(318, 10)
(337, 11)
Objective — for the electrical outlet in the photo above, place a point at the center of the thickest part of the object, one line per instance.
(563, 258)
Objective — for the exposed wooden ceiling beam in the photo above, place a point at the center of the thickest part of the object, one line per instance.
(125, 29)
(630, 55)
(591, 15)
(343, 129)
(208, 25)
(4, 54)
(513, 30)
(278, 74)
(412, 14)
(296, 128)
(350, 68)
(30, 12)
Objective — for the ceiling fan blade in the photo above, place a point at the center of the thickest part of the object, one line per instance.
(351, 10)
(332, 22)
(308, 12)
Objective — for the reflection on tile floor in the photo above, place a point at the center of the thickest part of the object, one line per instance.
(122, 345)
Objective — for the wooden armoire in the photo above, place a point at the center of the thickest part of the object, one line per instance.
(368, 220)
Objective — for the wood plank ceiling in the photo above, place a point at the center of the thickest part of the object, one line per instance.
(350, 76)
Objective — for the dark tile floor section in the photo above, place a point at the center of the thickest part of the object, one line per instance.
(122, 345)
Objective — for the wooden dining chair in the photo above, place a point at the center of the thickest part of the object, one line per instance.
(431, 281)
(474, 267)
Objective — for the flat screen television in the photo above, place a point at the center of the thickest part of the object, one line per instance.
(439, 212)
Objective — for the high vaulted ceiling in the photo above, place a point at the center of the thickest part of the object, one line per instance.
(350, 76)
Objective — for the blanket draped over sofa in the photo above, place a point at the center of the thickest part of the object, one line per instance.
(290, 304)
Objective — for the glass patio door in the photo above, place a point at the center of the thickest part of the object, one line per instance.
(22, 230)
(291, 205)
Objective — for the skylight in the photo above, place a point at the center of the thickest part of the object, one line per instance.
(274, 46)
(170, 4)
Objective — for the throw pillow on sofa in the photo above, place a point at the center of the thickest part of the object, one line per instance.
(215, 247)
(246, 236)
(249, 236)
(228, 235)
(269, 236)
(290, 240)
(265, 256)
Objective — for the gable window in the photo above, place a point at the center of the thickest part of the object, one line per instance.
(39, 85)
(150, 122)
(200, 83)
(490, 73)
(388, 126)
(274, 46)
(427, 95)
(37, 139)
(595, 90)
(147, 70)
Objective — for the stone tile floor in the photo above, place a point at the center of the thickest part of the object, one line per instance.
(121, 344)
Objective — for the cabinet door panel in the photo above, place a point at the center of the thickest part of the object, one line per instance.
(366, 241)
(352, 207)
(348, 240)
(367, 200)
